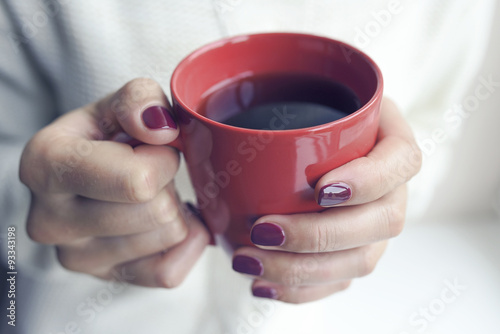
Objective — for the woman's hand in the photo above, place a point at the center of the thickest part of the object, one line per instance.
(109, 206)
(305, 257)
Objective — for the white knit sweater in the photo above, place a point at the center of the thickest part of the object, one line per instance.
(57, 55)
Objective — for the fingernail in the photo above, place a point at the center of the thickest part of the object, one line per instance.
(265, 292)
(267, 234)
(333, 194)
(248, 265)
(158, 118)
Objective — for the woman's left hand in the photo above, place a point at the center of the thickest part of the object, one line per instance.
(305, 257)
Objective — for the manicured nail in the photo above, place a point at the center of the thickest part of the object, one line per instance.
(265, 292)
(333, 194)
(267, 234)
(158, 118)
(248, 265)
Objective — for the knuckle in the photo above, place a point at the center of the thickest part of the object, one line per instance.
(295, 300)
(397, 222)
(392, 219)
(412, 160)
(292, 276)
(293, 295)
(344, 285)
(169, 278)
(167, 214)
(378, 176)
(383, 217)
(46, 225)
(49, 233)
(35, 232)
(137, 90)
(179, 231)
(166, 210)
(198, 233)
(326, 238)
(416, 157)
(39, 227)
(66, 259)
(367, 261)
(172, 234)
(76, 258)
(140, 186)
(26, 164)
(39, 154)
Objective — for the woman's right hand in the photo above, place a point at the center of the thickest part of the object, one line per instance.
(108, 206)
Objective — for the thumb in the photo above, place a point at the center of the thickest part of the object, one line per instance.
(139, 110)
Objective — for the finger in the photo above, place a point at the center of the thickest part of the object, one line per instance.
(98, 255)
(109, 171)
(71, 157)
(62, 221)
(394, 160)
(296, 295)
(169, 269)
(141, 110)
(295, 270)
(333, 229)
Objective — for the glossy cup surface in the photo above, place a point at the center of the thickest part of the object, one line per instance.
(241, 174)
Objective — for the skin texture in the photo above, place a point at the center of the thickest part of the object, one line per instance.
(108, 206)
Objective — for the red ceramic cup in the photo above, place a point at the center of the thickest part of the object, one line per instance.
(241, 174)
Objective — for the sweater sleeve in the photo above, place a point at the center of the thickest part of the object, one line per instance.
(26, 105)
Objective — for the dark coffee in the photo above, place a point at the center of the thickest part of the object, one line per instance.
(279, 101)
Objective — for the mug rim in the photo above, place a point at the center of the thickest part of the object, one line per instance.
(377, 95)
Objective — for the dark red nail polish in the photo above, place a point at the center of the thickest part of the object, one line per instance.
(333, 194)
(158, 118)
(248, 265)
(268, 234)
(265, 292)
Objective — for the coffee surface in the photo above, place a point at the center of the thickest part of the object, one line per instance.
(279, 101)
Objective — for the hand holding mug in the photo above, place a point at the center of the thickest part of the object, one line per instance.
(111, 209)
(305, 257)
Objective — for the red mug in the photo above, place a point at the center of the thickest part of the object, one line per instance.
(242, 174)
